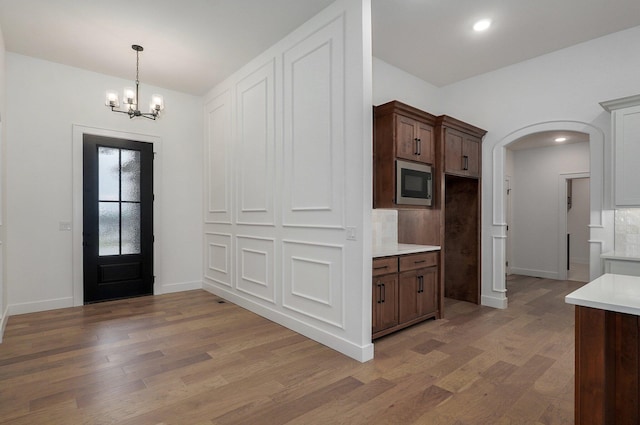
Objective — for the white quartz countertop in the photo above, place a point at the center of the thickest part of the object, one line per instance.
(612, 292)
(617, 255)
(400, 249)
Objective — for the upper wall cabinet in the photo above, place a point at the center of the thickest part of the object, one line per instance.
(400, 132)
(625, 127)
(462, 146)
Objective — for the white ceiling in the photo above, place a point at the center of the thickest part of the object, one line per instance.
(547, 139)
(192, 45)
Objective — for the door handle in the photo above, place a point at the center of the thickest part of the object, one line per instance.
(418, 150)
(384, 293)
(420, 284)
(379, 293)
(465, 162)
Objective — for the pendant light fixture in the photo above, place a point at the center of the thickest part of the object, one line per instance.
(130, 97)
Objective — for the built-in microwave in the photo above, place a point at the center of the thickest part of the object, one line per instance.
(414, 183)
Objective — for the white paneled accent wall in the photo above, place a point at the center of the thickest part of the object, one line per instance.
(218, 258)
(314, 129)
(218, 159)
(276, 207)
(255, 175)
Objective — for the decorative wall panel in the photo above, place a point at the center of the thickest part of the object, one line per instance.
(255, 158)
(314, 167)
(218, 251)
(314, 281)
(218, 153)
(255, 267)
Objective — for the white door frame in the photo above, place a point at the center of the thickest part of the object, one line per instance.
(77, 268)
(563, 178)
(494, 287)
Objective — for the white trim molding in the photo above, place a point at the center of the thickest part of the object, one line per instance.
(495, 225)
(78, 132)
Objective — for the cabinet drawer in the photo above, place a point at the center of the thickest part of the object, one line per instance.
(385, 265)
(418, 261)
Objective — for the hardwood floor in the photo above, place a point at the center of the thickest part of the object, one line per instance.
(185, 359)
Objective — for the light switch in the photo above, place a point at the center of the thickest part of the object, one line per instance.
(351, 233)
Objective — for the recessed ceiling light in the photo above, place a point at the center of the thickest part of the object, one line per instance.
(561, 139)
(482, 25)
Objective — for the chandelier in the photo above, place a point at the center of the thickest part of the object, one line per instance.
(130, 97)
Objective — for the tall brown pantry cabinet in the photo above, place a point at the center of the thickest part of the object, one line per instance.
(461, 153)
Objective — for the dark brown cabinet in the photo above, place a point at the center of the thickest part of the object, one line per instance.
(417, 294)
(400, 132)
(413, 288)
(607, 367)
(413, 139)
(462, 149)
(385, 293)
(461, 153)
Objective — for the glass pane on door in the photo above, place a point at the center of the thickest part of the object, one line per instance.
(118, 201)
(109, 228)
(130, 228)
(108, 174)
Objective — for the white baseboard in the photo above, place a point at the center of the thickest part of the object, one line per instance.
(3, 322)
(35, 306)
(178, 287)
(357, 352)
(494, 302)
(545, 274)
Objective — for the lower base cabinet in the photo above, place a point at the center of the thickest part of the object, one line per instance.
(385, 302)
(607, 367)
(417, 294)
(406, 290)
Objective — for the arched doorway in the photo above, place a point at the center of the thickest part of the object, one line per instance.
(600, 223)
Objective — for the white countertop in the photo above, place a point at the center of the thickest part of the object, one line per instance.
(617, 255)
(400, 249)
(612, 292)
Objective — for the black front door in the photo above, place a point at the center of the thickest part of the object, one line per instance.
(117, 218)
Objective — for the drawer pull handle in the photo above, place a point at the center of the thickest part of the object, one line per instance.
(380, 267)
(419, 261)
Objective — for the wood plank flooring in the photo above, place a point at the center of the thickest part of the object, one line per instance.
(186, 358)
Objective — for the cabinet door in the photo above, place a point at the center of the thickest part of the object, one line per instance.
(408, 296)
(385, 302)
(417, 293)
(414, 140)
(453, 151)
(471, 156)
(426, 143)
(626, 138)
(461, 154)
(428, 293)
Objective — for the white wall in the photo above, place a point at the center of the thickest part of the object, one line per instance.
(578, 221)
(535, 206)
(46, 99)
(391, 83)
(288, 170)
(3, 289)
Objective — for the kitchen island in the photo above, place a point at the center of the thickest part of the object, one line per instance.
(607, 368)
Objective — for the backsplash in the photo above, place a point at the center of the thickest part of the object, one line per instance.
(385, 226)
(627, 231)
